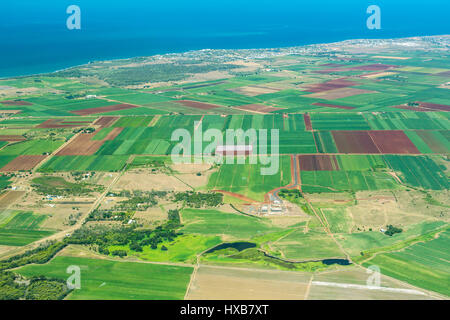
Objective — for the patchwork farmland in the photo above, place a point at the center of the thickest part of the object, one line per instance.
(359, 144)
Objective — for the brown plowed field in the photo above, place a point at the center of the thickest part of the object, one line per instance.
(198, 105)
(318, 162)
(105, 122)
(59, 123)
(332, 106)
(393, 142)
(257, 108)
(354, 142)
(12, 138)
(10, 111)
(307, 120)
(82, 145)
(25, 162)
(330, 85)
(16, 103)
(116, 107)
(434, 106)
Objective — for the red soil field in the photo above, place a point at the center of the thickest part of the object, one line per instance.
(116, 107)
(431, 141)
(16, 103)
(82, 145)
(393, 142)
(434, 106)
(330, 85)
(358, 142)
(23, 163)
(257, 108)
(58, 123)
(105, 122)
(198, 105)
(307, 120)
(318, 163)
(332, 106)
(12, 138)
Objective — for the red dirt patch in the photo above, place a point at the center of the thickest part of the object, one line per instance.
(12, 138)
(25, 162)
(338, 93)
(307, 120)
(331, 85)
(260, 108)
(358, 142)
(16, 103)
(60, 123)
(116, 107)
(434, 106)
(198, 105)
(373, 67)
(393, 142)
(318, 163)
(82, 145)
(332, 106)
(105, 122)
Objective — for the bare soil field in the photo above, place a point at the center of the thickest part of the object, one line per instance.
(16, 103)
(82, 145)
(59, 123)
(434, 106)
(9, 198)
(330, 85)
(25, 162)
(12, 138)
(318, 163)
(116, 107)
(354, 142)
(307, 120)
(105, 122)
(351, 284)
(393, 142)
(219, 283)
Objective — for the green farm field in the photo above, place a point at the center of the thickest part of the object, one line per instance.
(117, 280)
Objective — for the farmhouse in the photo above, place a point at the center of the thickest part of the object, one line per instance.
(232, 150)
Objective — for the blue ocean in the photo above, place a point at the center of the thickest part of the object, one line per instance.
(34, 37)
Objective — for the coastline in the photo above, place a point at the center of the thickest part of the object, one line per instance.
(286, 48)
